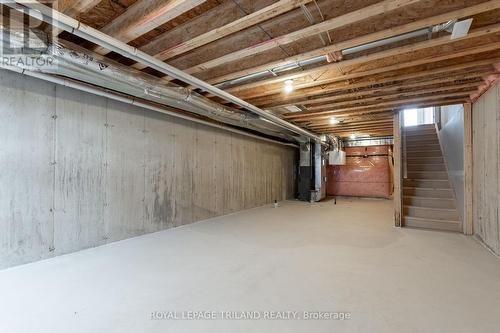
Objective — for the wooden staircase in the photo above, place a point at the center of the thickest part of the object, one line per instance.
(428, 200)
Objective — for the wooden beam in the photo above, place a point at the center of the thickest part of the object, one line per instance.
(374, 112)
(350, 128)
(380, 122)
(468, 171)
(349, 123)
(352, 116)
(397, 162)
(272, 86)
(383, 107)
(412, 26)
(382, 7)
(247, 21)
(144, 16)
(398, 96)
(410, 101)
(74, 7)
(312, 91)
(388, 132)
(357, 128)
(476, 76)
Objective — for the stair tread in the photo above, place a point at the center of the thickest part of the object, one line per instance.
(425, 188)
(429, 179)
(439, 163)
(420, 150)
(431, 208)
(431, 220)
(430, 198)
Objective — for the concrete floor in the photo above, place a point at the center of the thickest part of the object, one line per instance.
(298, 257)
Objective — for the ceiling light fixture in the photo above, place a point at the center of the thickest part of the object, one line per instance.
(288, 86)
(461, 29)
(353, 136)
(333, 121)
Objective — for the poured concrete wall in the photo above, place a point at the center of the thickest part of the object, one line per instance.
(452, 141)
(79, 171)
(486, 168)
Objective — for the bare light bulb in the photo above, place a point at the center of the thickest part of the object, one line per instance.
(288, 89)
(333, 121)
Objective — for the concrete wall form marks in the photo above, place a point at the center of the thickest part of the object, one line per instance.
(79, 171)
(486, 168)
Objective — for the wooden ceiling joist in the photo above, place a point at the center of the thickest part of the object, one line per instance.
(396, 96)
(73, 8)
(476, 76)
(398, 30)
(332, 87)
(356, 92)
(352, 116)
(334, 23)
(473, 79)
(322, 126)
(378, 113)
(247, 21)
(324, 78)
(357, 128)
(362, 134)
(144, 16)
(407, 102)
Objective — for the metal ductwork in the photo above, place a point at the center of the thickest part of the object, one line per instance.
(72, 61)
(324, 58)
(312, 169)
(154, 90)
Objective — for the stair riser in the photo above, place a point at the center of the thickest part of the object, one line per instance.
(422, 132)
(430, 193)
(412, 148)
(417, 143)
(436, 225)
(419, 127)
(414, 134)
(427, 175)
(432, 214)
(445, 184)
(424, 160)
(426, 167)
(428, 153)
(429, 202)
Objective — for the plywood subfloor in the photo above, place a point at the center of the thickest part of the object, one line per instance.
(299, 257)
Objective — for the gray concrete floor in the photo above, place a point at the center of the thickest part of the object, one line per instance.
(299, 257)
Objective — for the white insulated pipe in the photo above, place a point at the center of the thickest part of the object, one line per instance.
(64, 22)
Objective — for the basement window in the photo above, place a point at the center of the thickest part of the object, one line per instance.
(414, 117)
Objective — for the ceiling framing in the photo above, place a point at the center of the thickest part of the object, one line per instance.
(223, 40)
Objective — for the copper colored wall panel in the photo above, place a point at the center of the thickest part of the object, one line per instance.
(364, 175)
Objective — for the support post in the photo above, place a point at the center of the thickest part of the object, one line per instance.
(468, 228)
(397, 170)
